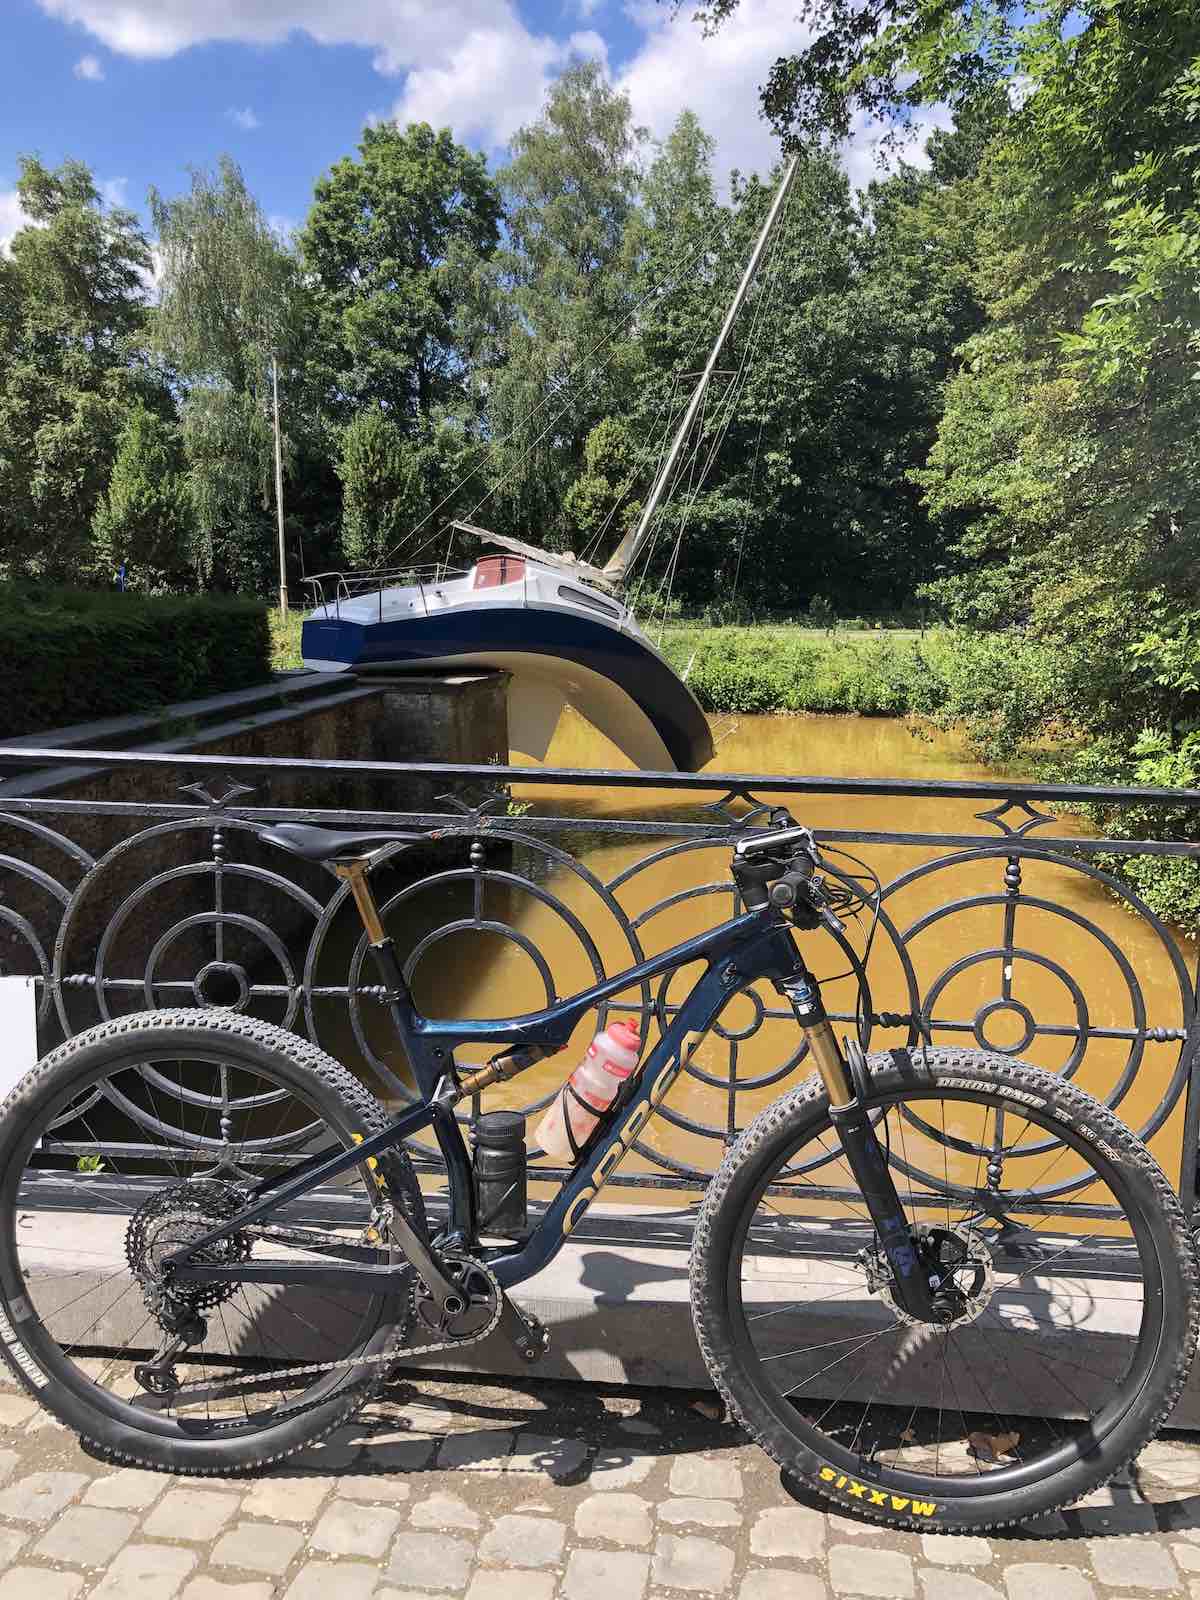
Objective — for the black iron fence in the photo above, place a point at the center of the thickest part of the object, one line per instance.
(132, 881)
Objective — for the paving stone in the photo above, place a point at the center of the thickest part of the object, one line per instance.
(1141, 1563)
(258, 1547)
(85, 1536)
(621, 1470)
(511, 1586)
(341, 1580)
(955, 1550)
(708, 1513)
(857, 1569)
(685, 1562)
(194, 1514)
(9, 1461)
(605, 1574)
(130, 1489)
(15, 1409)
(1131, 1516)
(444, 1510)
(1187, 1556)
(620, 1518)
(1177, 1465)
(481, 1450)
(557, 1459)
(405, 1452)
(375, 1488)
(11, 1540)
(283, 1499)
(939, 1584)
(772, 1583)
(347, 1529)
(789, 1531)
(524, 1542)
(40, 1496)
(210, 1589)
(147, 1571)
(696, 1476)
(35, 1583)
(430, 1561)
(1041, 1580)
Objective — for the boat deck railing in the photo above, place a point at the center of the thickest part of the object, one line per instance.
(1002, 926)
(332, 589)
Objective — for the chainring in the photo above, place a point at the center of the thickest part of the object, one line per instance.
(480, 1295)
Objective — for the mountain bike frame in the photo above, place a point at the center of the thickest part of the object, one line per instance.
(758, 943)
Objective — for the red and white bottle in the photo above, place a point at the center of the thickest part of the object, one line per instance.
(611, 1057)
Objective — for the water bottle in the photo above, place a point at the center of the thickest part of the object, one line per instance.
(589, 1091)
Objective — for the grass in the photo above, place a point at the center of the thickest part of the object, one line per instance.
(285, 639)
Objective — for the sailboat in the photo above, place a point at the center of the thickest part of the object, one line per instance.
(558, 626)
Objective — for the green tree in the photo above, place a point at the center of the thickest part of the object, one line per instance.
(232, 300)
(145, 516)
(557, 351)
(386, 478)
(389, 240)
(72, 320)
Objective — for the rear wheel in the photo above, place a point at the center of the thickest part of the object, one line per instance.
(134, 1138)
(1069, 1315)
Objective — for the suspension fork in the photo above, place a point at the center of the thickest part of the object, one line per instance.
(867, 1161)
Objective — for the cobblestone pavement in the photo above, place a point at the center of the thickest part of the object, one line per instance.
(537, 1491)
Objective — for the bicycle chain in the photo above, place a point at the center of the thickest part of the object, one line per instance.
(348, 1363)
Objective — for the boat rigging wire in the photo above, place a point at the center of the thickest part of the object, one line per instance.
(493, 445)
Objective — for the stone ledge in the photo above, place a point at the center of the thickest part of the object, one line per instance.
(619, 1312)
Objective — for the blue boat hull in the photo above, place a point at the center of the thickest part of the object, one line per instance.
(567, 637)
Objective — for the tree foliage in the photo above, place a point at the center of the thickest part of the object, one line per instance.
(389, 241)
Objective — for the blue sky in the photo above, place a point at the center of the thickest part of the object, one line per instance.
(141, 89)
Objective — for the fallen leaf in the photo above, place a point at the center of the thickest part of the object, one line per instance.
(908, 1436)
(991, 1446)
(712, 1409)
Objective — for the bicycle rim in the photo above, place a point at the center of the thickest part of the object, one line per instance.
(133, 1160)
(1060, 1330)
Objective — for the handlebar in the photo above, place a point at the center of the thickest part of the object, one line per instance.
(777, 866)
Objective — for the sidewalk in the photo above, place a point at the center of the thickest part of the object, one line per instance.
(534, 1491)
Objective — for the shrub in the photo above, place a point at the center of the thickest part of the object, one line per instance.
(69, 655)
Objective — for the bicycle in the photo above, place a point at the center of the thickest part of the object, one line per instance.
(886, 1270)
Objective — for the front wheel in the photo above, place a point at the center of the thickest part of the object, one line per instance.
(1069, 1320)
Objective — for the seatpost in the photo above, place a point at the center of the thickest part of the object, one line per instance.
(355, 874)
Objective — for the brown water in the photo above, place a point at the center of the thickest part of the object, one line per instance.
(1062, 971)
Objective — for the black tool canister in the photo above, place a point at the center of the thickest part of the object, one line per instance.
(500, 1172)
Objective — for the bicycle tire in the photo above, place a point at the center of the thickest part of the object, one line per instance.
(892, 1493)
(26, 1344)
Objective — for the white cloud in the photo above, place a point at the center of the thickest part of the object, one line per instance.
(676, 68)
(243, 118)
(113, 190)
(89, 68)
(587, 8)
(12, 218)
(473, 65)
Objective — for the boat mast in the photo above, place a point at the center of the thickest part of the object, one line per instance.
(626, 552)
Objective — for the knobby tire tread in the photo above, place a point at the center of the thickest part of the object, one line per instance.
(709, 1264)
(213, 1025)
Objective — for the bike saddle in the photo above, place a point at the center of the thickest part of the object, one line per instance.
(323, 844)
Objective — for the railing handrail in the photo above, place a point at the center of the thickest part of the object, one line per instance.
(576, 777)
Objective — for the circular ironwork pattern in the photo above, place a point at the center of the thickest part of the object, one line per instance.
(240, 926)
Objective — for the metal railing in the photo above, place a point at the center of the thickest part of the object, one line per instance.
(141, 881)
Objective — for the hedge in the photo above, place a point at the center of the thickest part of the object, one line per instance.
(70, 655)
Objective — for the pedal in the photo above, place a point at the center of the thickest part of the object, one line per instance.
(523, 1331)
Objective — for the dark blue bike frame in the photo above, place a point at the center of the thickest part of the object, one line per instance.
(756, 944)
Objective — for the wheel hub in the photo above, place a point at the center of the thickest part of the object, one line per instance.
(958, 1266)
(169, 1221)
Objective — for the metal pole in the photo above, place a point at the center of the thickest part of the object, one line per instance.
(628, 548)
(283, 592)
